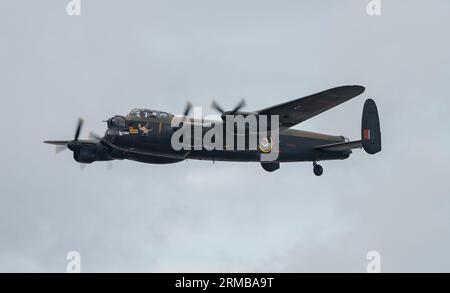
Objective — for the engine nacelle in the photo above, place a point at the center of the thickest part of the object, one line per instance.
(85, 156)
(88, 153)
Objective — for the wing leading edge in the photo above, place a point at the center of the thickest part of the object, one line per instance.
(299, 110)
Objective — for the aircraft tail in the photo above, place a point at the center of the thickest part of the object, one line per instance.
(370, 133)
(370, 128)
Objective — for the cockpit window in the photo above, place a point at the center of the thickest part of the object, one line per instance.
(135, 112)
(118, 121)
(146, 113)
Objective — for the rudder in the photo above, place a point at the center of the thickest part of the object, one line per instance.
(370, 128)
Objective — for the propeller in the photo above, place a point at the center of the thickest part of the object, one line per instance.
(60, 148)
(61, 145)
(85, 151)
(240, 105)
(217, 107)
(94, 136)
(187, 110)
(78, 130)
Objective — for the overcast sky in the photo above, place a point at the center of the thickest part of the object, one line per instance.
(196, 216)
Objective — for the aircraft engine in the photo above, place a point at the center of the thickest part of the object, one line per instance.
(85, 156)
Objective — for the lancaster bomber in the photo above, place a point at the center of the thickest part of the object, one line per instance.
(146, 135)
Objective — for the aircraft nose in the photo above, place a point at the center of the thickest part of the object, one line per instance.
(110, 132)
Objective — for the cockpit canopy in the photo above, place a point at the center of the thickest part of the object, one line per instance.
(117, 121)
(147, 113)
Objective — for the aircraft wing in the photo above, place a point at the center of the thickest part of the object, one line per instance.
(299, 110)
(65, 142)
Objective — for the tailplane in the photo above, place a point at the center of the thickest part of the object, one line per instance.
(370, 133)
